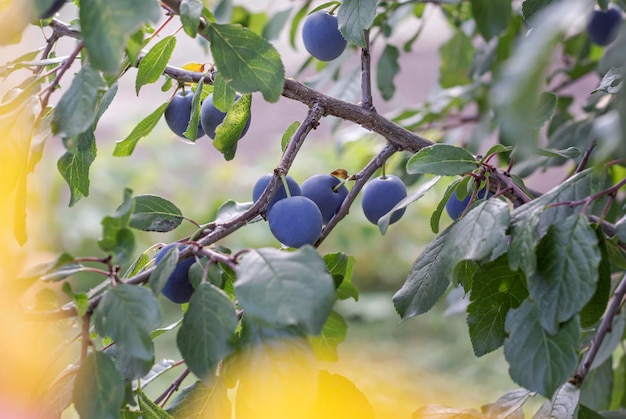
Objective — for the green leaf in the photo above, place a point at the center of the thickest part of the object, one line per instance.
(231, 209)
(223, 94)
(58, 397)
(191, 133)
(457, 55)
(74, 166)
(190, 12)
(518, 85)
(149, 409)
(199, 401)
(98, 388)
(286, 289)
(508, 405)
(125, 147)
(383, 222)
(205, 337)
(441, 206)
(56, 270)
(163, 270)
(595, 392)
(246, 60)
(354, 17)
(276, 24)
(228, 133)
(155, 372)
(289, 132)
(495, 290)
(620, 229)
(538, 360)
(562, 405)
(76, 110)
(485, 225)
(116, 237)
(443, 160)
(545, 109)
(492, 16)
(387, 70)
(334, 333)
(127, 314)
(153, 64)
(530, 222)
(611, 82)
(107, 24)
(568, 153)
(594, 309)
(137, 266)
(567, 271)
(586, 413)
(340, 267)
(531, 7)
(153, 213)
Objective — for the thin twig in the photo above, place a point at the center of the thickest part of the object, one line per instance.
(603, 330)
(366, 74)
(55, 83)
(172, 388)
(582, 164)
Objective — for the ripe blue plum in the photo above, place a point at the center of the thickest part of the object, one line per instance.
(178, 288)
(456, 206)
(603, 27)
(261, 184)
(211, 117)
(295, 221)
(321, 190)
(321, 36)
(380, 195)
(178, 113)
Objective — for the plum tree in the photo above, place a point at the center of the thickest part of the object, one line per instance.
(211, 117)
(321, 36)
(603, 26)
(380, 195)
(325, 191)
(178, 113)
(178, 287)
(281, 193)
(456, 206)
(295, 221)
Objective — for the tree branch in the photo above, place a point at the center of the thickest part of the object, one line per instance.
(366, 74)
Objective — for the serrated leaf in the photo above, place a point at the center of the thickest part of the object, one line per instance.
(610, 341)
(333, 333)
(562, 405)
(98, 388)
(386, 71)
(191, 133)
(229, 132)
(595, 391)
(340, 267)
(137, 266)
(153, 213)
(153, 64)
(567, 271)
(508, 405)
(76, 110)
(190, 12)
(127, 145)
(204, 339)
(495, 290)
(492, 16)
(354, 17)
(530, 222)
(479, 236)
(127, 314)
(223, 94)
(596, 306)
(107, 24)
(74, 166)
(246, 60)
(443, 160)
(383, 222)
(199, 401)
(538, 360)
(286, 289)
(149, 409)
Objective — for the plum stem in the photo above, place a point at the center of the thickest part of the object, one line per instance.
(283, 179)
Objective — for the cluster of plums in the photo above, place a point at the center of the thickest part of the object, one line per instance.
(298, 219)
(603, 26)
(178, 113)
